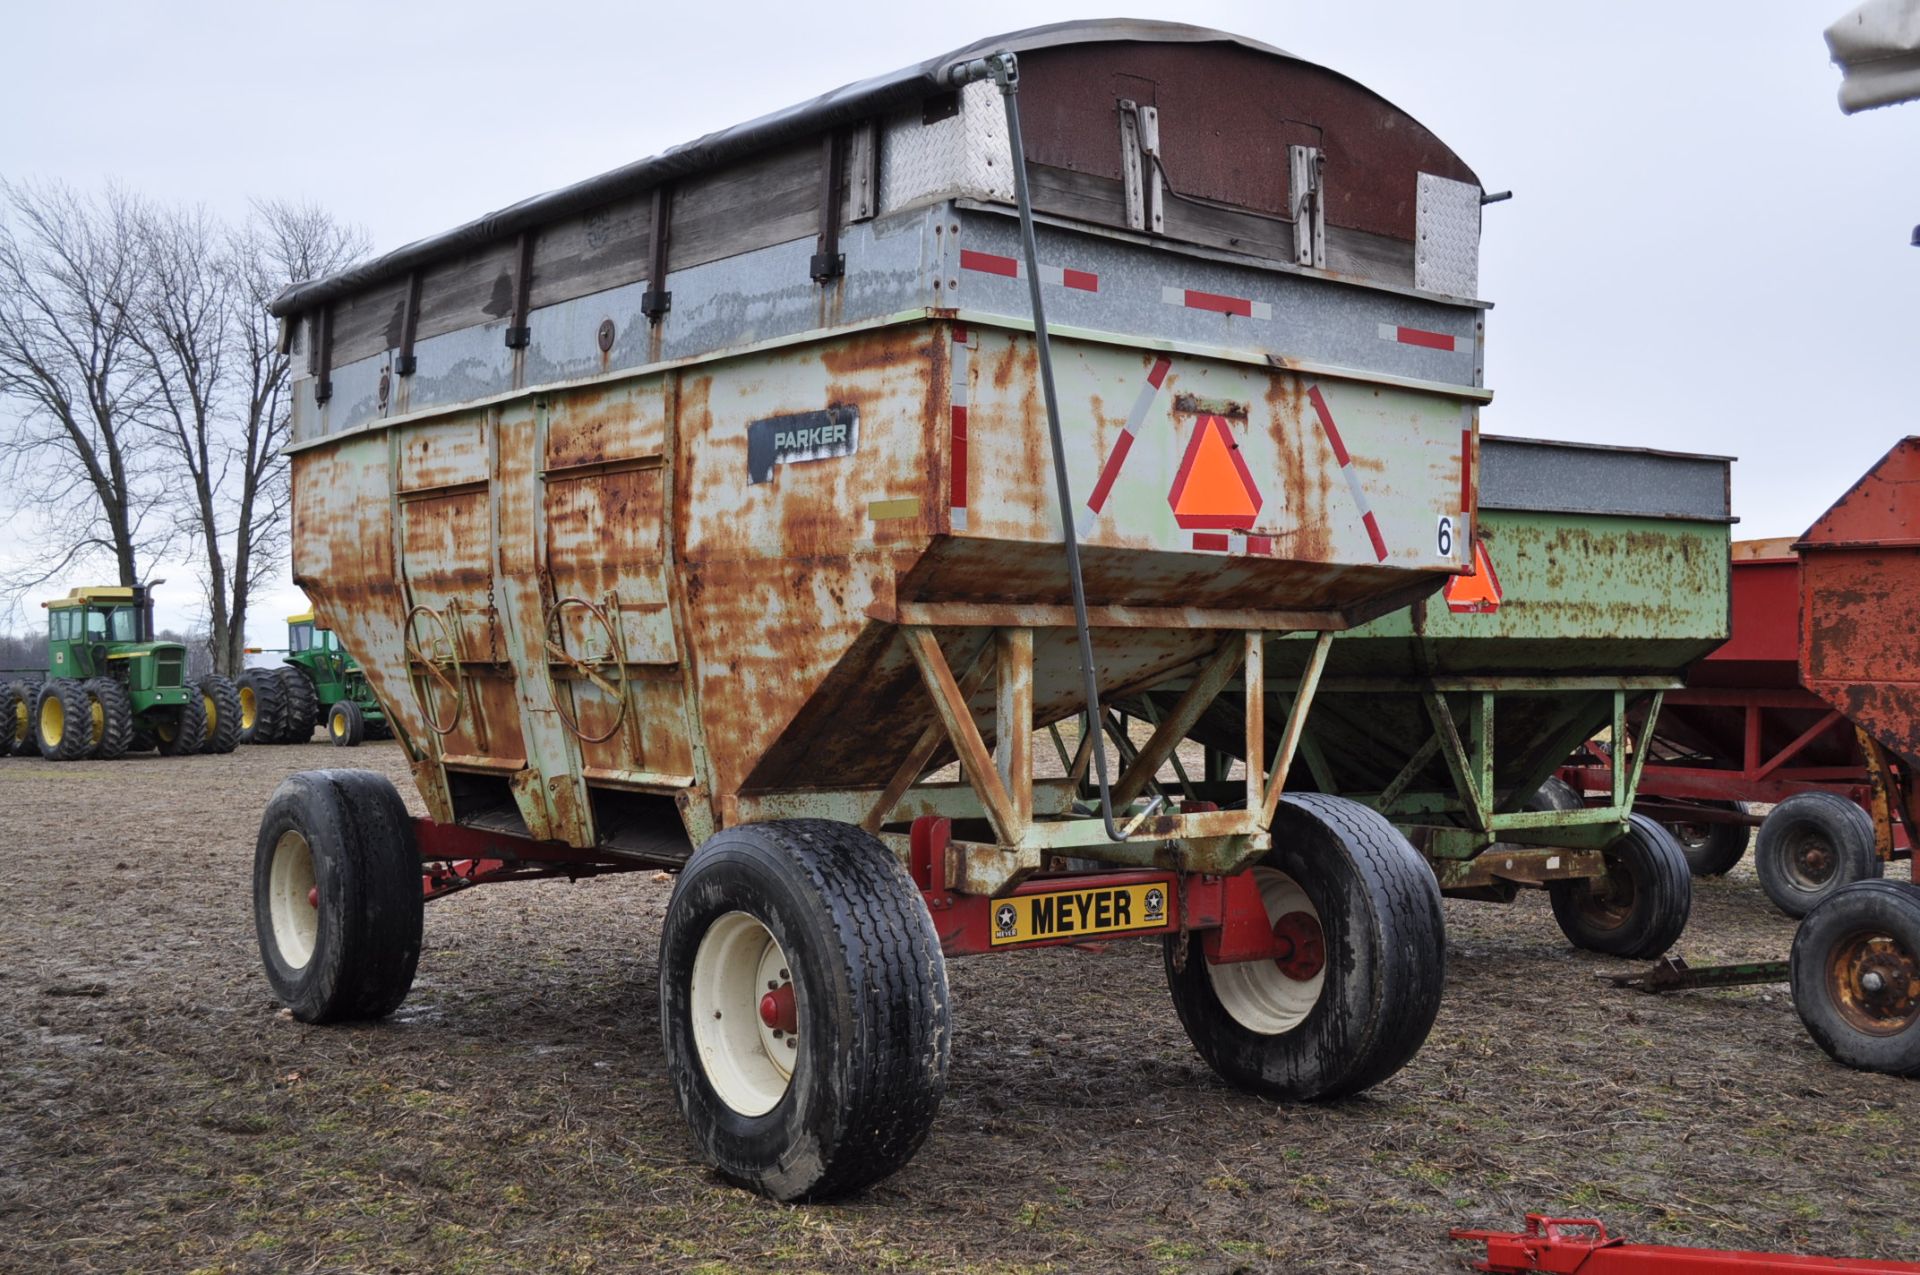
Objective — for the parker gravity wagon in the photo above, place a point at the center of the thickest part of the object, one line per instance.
(697, 515)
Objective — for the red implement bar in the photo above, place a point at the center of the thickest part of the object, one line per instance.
(1567, 1245)
(1059, 909)
(454, 857)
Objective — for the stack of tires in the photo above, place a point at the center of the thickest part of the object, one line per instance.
(277, 706)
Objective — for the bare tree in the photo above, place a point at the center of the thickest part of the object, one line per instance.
(220, 401)
(281, 243)
(73, 387)
(183, 333)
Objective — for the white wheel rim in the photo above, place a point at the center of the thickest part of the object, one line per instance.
(748, 1063)
(1257, 994)
(290, 894)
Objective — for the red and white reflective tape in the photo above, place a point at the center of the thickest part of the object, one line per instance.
(1232, 542)
(957, 480)
(1136, 417)
(1423, 338)
(1466, 463)
(1014, 268)
(1346, 467)
(1215, 302)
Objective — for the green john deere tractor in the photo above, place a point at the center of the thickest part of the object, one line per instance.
(110, 689)
(318, 684)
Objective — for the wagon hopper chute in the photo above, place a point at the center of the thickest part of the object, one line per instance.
(714, 503)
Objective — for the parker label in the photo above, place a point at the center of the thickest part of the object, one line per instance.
(783, 440)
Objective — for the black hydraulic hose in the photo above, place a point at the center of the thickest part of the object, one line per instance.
(1005, 71)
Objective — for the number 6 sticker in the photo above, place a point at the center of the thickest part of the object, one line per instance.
(1444, 540)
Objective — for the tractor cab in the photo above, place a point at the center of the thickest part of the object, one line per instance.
(99, 631)
(305, 637)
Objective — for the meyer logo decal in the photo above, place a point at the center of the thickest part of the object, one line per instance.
(783, 440)
(1067, 914)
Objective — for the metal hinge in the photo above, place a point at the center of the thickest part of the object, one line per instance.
(1306, 204)
(1140, 166)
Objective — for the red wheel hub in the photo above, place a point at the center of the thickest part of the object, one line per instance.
(1302, 944)
(776, 1009)
(313, 896)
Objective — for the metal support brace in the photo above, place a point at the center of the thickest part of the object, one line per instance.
(977, 763)
(1013, 718)
(1200, 692)
(1296, 723)
(973, 676)
(1254, 680)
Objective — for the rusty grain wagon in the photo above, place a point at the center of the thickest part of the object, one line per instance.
(699, 515)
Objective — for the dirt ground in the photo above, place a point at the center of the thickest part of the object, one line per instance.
(158, 1112)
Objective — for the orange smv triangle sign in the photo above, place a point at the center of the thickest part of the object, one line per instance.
(1478, 592)
(1214, 488)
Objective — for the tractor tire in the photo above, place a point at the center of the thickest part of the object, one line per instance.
(303, 706)
(182, 732)
(337, 902)
(1712, 849)
(25, 743)
(803, 1004)
(1641, 905)
(63, 720)
(1368, 1008)
(16, 718)
(1855, 972)
(112, 710)
(345, 725)
(1810, 845)
(222, 700)
(144, 741)
(263, 707)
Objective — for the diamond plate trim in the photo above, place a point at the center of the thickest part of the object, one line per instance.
(1446, 251)
(964, 154)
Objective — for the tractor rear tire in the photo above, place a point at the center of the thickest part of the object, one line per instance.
(114, 717)
(337, 902)
(263, 707)
(63, 720)
(1810, 845)
(143, 741)
(1640, 906)
(1712, 849)
(222, 701)
(25, 744)
(1856, 976)
(837, 1088)
(1369, 1007)
(182, 732)
(16, 718)
(303, 706)
(346, 727)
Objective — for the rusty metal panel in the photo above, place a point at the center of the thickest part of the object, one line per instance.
(1860, 602)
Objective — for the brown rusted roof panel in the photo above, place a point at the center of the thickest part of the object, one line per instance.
(1227, 115)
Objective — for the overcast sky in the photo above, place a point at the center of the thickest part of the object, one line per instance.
(1701, 254)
